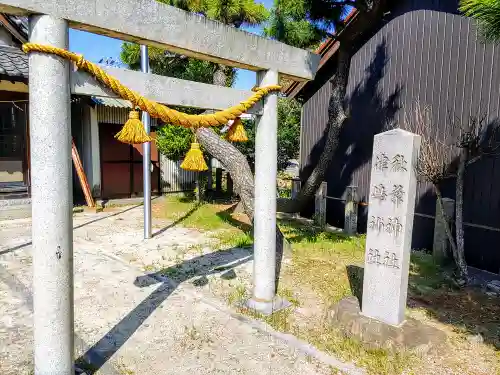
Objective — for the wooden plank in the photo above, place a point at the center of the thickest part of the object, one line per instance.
(81, 175)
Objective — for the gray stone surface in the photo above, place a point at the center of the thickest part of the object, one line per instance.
(441, 245)
(166, 90)
(150, 22)
(267, 308)
(266, 151)
(351, 210)
(390, 224)
(52, 200)
(412, 334)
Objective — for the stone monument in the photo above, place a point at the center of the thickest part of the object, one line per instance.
(390, 224)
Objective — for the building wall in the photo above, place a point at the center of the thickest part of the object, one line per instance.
(5, 37)
(172, 177)
(426, 55)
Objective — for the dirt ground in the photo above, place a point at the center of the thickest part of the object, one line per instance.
(169, 305)
(146, 307)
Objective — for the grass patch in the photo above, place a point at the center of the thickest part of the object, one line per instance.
(322, 259)
(326, 267)
(375, 361)
(192, 214)
(202, 216)
(234, 238)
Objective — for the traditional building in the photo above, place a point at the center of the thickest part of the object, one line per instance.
(421, 52)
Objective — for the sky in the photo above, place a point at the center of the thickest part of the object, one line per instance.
(95, 47)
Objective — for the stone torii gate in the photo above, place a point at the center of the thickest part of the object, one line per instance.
(51, 83)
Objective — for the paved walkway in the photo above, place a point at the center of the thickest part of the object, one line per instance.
(129, 323)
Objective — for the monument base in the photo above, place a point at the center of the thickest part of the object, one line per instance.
(411, 334)
(267, 308)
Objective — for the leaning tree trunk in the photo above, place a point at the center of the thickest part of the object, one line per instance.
(336, 117)
(459, 216)
(337, 114)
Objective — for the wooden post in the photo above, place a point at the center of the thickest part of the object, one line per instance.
(351, 210)
(218, 180)
(210, 183)
(81, 175)
(229, 184)
(296, 185)
(320, 206)
(441, 245)
(199, 187)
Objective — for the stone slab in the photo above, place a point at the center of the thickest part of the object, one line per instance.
(412, 334)
(390, 225)
(165, 90)
(267, 308)
(152, 23)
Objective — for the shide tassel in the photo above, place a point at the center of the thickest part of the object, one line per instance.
(236, 132)
(133, 131)
(194, 160)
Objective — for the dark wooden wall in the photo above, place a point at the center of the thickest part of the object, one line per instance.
(423, 52)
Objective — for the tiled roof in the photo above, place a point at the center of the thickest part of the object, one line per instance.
(13, 62)
(20, 23)
(111, 102)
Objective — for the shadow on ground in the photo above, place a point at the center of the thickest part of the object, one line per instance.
(469, 310)
(168, 279)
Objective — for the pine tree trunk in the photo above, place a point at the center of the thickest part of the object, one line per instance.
(336, 118)
(459, 216)
(235, 162)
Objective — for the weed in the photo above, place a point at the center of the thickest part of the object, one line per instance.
(238, 294)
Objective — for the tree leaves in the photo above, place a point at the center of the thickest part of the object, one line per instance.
(487, 14)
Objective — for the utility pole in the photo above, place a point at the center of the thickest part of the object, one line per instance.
(146, 155)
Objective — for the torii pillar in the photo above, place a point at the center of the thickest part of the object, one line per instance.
(264, 299)
(52, 199)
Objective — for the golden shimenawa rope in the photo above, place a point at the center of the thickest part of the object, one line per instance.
(157, 110)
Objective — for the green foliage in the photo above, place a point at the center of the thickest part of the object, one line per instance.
(304, 23)
(170, 64)
(287, 23)
(288, 134)
(487, 14)
(234, 12)
(173, 141)
(229, 12)
(288, 130)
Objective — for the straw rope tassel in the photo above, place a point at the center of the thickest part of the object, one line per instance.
(194, 160)
(133, 131)
(236, 132)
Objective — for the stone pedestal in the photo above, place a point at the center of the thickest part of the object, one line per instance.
(412, 334)
(390, 224)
